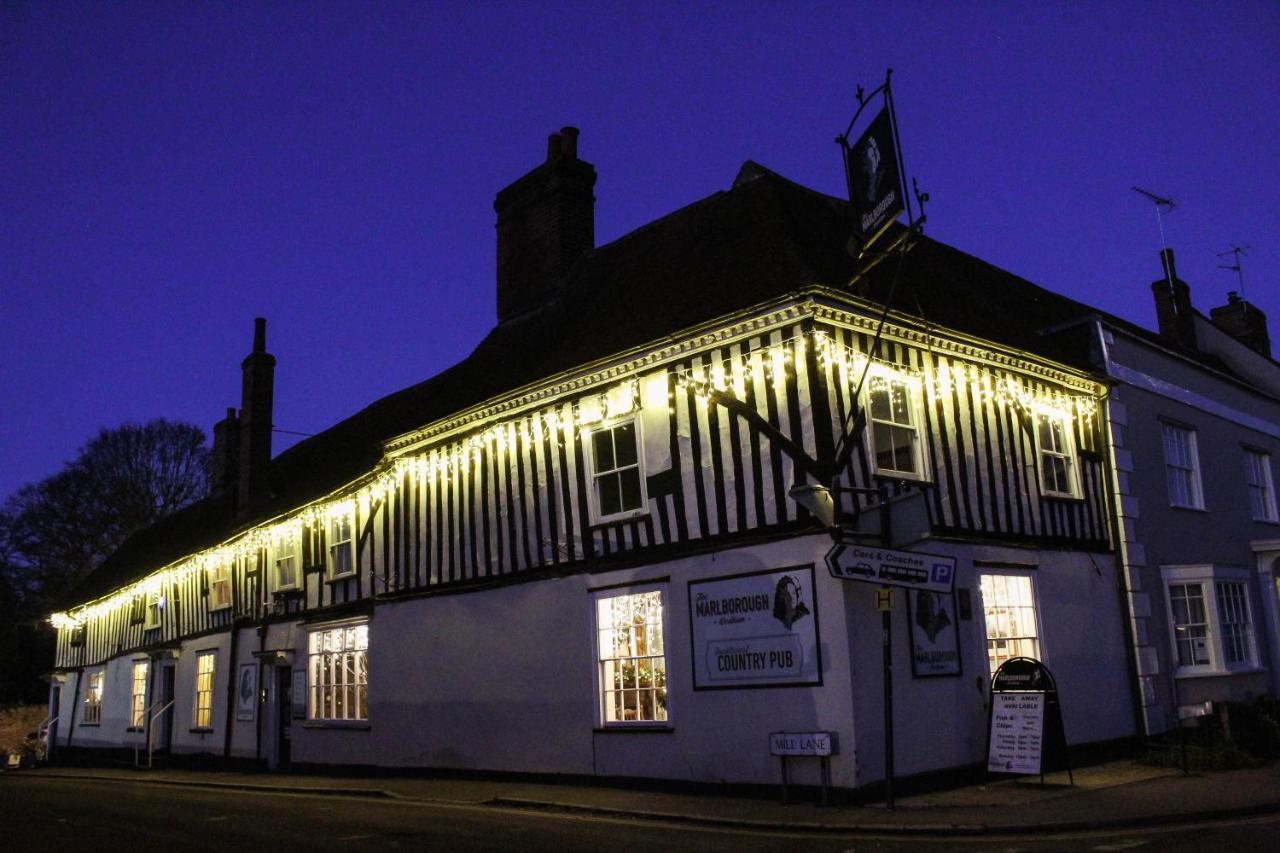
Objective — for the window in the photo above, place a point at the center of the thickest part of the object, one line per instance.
(220, 587)
(204, 690)
(93, 699)
(78, 634)
(138, 697)
(633, 664)
(617, 475)
(895, 432)
(1210, 620)
(341, 554)
(1182, 467)
(1009, 611)
(286, 559)
(155, 607)
(339, 670)
(1057, 461)
(1262, 496)
(137, 609)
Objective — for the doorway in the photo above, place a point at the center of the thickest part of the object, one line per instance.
(281, 717)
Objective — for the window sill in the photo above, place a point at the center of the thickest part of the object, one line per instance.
(91, 725)
(134, 729)
(1274, 522)
(620, 518)
(202, 730)
(339, 578)
(902, 477)
(1062, 496)
(1189, 508)
(219, 608)
(1218, 673)
(355, 725)
(635, 728)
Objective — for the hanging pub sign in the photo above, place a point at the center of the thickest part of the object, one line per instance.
(758, 629)
(875, 181)
(1025, 733)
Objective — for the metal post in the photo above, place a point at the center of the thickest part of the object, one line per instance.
(885, 623)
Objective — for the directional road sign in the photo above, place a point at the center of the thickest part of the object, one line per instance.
(887, 567)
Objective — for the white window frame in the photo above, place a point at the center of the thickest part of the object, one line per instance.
(337, 524)
(139, 671)
(1260, 485)
(1022, 637)
(1188, 467)
(594, 473)
(1209, 576)
(153, 611)
(219, 587)
(202, 711)
(915, 411)
(92, 713)
(1067, 453)
(284, 549)
(327, 670)
(661, 694)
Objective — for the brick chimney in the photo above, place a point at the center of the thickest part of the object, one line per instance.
(226, 453)
(1243, 321)
(258, 369)
(1173, 305)
(546, 221)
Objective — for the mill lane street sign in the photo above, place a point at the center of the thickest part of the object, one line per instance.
(887, 567)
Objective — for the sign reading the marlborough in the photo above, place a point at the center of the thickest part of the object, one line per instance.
(875, 182)
(755, 630)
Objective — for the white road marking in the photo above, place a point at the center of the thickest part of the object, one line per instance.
(1122, 845)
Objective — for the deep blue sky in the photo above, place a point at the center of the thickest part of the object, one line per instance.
(168, 171)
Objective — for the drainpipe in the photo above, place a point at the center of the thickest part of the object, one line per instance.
(1121, 562)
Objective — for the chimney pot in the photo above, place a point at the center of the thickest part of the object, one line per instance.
(553, 147)
(569, 142)
(256, 400)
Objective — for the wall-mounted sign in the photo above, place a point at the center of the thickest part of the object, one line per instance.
(755, 630)
(935, 637)
(885, 566)
(247, 692)
(875, 183)
(802, 743)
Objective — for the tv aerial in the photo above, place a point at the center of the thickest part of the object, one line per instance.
(1163, 205)
(1235, 252)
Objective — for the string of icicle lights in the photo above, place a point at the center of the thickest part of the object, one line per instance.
(562, 423)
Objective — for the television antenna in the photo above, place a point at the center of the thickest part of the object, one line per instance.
(1161, 203)
(1235, 252)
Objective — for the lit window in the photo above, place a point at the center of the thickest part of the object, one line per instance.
(616, 471)
(1009, 611)
(93, 699)
(286, 559)
(1262, 496)
(338, 665)
(1182, 467)
(895, 431)
(219, 587)
(1210, 619)
(204, 690)
(633, 664)
(1057, 463)
(138, 696)
(155, 607)
(341, 554)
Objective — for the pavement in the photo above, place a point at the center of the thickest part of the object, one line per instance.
(1119, 794)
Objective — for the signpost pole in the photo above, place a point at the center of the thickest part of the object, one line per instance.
(886, 623)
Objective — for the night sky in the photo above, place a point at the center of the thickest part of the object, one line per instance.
(169, 171)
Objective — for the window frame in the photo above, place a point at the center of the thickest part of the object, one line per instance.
(1029, 574)
(204, 689)
(599, 661)
(1195, 478)
(332, 544)
(295, 544)
(153, 611)
(138, 701)
(91, 714)
(1069, 454)
(219, 577)
(315, 688)
(596, 516)
(1267, 486)
(915, 408)
(1208, 577)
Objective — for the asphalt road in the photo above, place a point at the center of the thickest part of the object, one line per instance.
(70, 815)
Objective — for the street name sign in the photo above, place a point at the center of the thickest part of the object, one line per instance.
(885, 566)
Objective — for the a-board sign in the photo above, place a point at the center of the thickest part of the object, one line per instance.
(1025, 732)
(802, 743)
(889, 567)
(1017, 733)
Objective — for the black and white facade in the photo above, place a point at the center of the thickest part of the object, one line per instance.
(576, 552)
